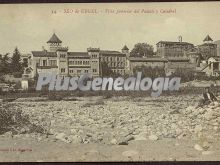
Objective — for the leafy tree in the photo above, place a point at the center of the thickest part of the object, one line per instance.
(148, 71)
(142, 50)
(16, 65)
(106, 71)
(4, 64)
(25, 63)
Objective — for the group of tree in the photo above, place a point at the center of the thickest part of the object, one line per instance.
(148, 71)
(142, 50)
(12, 65)
(107, 72)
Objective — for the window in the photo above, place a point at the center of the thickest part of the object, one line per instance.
(215, 66)
(94, 56)
(78, 71)
(62, 56)
(53, 62)
(94, 70)
(62, 70)
(71, 71)
(44, 62)
(86, 71)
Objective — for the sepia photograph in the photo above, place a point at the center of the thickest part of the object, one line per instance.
(105, 82)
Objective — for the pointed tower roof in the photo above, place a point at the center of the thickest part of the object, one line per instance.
(125, 48)
(207, 38)
(54, 39)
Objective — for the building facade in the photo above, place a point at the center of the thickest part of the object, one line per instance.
(213, 66)
(208, 48)
(173, 49)
(171, 56)
(57, 59)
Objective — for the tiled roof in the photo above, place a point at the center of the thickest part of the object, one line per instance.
(177, 59)
(217, 58)
(208, 44)
(151, 59)
(110, 52)
(44, 54)
(78, 54)
(179, 43)
(207, 38)
(125, 48)
(54, 39)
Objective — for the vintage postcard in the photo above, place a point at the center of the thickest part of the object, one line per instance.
(110, 82)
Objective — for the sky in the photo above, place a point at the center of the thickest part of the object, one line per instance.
(30, 26)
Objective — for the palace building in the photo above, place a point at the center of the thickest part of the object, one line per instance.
(59, 60)
(173, 49)
(171, 56)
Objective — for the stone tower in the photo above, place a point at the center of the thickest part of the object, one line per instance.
(54, 43)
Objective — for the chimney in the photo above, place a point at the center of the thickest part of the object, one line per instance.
(180, 38)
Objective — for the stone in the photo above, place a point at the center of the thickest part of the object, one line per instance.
(198, 147)
(205, 145)
(8, 134)
(75, 139)
(125, 140)
(62, 137)
(207, 152)
(198, 128)
(153, 137)
(130, 153)
(139, 138)
(73, 131)
(113, 141)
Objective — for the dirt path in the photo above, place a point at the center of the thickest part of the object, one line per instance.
(47, 150)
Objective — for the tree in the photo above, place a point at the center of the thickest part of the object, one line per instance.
(25, 63)
(4, 64)
(148, 71)
(142, 50)
(16, 65)
(106, 71)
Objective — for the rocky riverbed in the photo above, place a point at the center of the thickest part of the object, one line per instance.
(123, 120)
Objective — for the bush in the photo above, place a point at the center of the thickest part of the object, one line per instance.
(17, 74)
(12, 119)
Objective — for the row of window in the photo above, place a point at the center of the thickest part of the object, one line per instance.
(94, 56)
(77, 71)
(44, 63)
(116, 64)
(62, 56)
(78, 62)
(119, 71)
(113, 58)
(174, 46)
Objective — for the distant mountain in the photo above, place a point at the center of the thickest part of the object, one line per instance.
(218, 47)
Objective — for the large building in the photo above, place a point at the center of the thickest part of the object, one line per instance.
(208, 48)
(59, 60)
(167, 49)
(171, 56)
